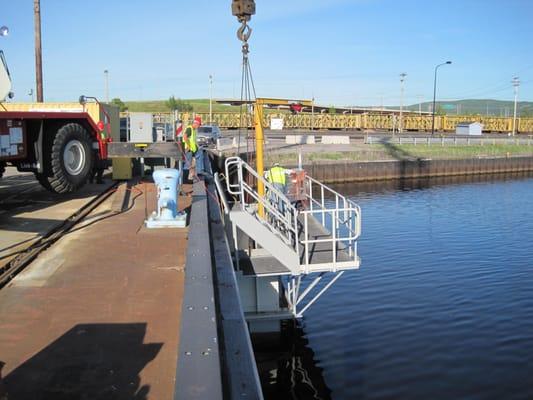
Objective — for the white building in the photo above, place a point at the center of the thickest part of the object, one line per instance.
(469, 128)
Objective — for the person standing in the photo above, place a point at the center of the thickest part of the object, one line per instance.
(191, 146)
(277, 177)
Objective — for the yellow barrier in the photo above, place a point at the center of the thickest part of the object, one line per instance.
(420, 123)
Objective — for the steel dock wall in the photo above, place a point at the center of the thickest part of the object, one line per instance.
(352, 171)
(215, 356)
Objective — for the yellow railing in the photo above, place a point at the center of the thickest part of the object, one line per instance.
(232, 120)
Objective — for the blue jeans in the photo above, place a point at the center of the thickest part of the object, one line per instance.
(277, 200)
(199, 157)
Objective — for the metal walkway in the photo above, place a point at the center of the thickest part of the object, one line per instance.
(318, 238)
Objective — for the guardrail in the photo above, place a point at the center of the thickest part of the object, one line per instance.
(280, 215)
(451, 141)
(341, 215)
(293, 225)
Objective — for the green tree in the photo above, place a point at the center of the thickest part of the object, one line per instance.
(116, 101)
(177, 104)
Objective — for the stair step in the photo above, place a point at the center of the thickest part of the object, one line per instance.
(267, 239)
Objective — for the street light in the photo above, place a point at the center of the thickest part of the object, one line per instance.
(434, 95)
(516, 84)
(4, 31)
(106, 78)
(402, 78)
(210, 99)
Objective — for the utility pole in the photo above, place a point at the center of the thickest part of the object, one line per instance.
(516, 84)
(210, 99)
(402, 78)
(38, 50)
(313, 112)
(106, 82)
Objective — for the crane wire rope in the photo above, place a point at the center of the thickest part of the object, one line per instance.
(248, 93)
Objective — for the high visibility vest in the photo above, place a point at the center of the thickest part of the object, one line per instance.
(190, 141)
(276, 175)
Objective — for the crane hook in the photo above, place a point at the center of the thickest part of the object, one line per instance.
(244, 32)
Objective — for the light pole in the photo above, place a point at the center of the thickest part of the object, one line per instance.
(516, 84)
(211, 99)
(38, 50)
(313, 112)
(434, 96)
(402, 78)
(106, 80)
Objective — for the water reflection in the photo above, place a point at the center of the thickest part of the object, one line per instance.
(288, 368)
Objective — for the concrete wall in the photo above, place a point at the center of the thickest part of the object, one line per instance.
(351, 171)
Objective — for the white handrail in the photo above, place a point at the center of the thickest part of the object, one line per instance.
(282, 220)
(291, 224)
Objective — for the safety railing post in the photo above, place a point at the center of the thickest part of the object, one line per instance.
(334, 242)
(322, 205)
(306, 243)
(336, 221)
(311, 205)
(350, 227)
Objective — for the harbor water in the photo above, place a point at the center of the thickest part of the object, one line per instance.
(441, 308)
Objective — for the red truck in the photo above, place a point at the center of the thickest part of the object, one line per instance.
(61, 143)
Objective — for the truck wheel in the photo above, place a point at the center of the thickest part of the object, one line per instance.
(2, 168)
(71, 159)
(44, 180)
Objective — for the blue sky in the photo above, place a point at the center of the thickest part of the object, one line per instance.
(340, 52)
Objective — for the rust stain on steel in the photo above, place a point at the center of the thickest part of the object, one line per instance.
(105, 323)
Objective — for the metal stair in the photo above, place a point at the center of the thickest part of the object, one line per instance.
(318, 239)
(266, 238)
(322, 237)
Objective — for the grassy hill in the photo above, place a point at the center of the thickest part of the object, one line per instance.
(199, 105)
(462, 107)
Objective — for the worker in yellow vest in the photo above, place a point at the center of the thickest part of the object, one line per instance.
(277, 176)
(191, 146)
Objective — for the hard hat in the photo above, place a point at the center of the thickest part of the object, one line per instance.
(276, 164)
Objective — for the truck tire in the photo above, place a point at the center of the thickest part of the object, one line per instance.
(2, 168)
(43, 179)
(71, 160)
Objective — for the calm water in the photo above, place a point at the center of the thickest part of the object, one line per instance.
(442, 307)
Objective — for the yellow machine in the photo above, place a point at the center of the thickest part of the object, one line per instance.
(122, 168)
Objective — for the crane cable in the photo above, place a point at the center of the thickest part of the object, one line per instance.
(248, 94)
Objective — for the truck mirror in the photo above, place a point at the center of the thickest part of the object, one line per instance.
(82, 100)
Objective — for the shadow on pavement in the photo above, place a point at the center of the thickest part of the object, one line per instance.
(90, 361)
